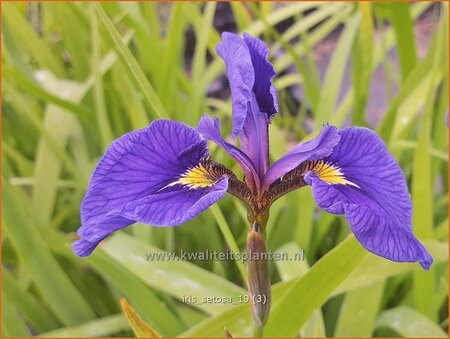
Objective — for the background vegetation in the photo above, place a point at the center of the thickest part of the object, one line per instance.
(75, 76)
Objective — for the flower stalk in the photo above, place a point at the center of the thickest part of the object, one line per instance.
(258, 277)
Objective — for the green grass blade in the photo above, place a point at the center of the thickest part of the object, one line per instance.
(24, 33)
(59, 124)
(100, 107)
(289, 269)
(335, 72)
(106, 326)
(362, 63)
(409, 323)
(422, 191)
(202, 34)
(13, 324)
(296, 306)
(130, 60)
(229, 239)
(48, 276)
(415, 77)
(172, 56)
(175, 277)
(358, 311)
(137, 293)
(404, 34)
(33, 312)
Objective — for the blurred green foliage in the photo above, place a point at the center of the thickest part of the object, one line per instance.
(75, 76)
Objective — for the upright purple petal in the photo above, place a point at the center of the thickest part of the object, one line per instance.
(241, 76)
(264, 90)
(153, 175)
(362, 180)
(254, 97)
(210, 130)
(314, 149)
(255, 138)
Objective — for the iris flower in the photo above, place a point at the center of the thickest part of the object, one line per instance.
(163, 174)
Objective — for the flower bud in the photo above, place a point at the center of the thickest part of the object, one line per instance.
(258, 276)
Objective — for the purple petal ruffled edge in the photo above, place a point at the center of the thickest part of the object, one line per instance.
(250, 75)
(265, 92)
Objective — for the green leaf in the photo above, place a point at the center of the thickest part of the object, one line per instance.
(362, 63)
(50, 279)
(358, 311)
(171, 275)
(409, 323)
(172, 55)
(13, 324)
(23, 32)
(309, 77)
(202, 33)
(161, 318)
(229, 238)
(335, 73)
(404, 33)
(289, 269)
(305, 220)
(290, 312)
(58, 123)
(372, 269)
(375, 268)
(422, 192)
(100, 107)
(33, 312)
(106, 326)
(241, 14)
(130, 60)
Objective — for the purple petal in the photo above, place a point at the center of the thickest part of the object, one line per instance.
(265, 92)
(317, 148)
(83, 247)
(175, 205)
(255, 138)
(210, 130)
(138, 179)
(254, 97)
(241, 76)
(372, 194)
(250, 75)
(262, 107)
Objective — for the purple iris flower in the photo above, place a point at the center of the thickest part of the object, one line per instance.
(163, 174)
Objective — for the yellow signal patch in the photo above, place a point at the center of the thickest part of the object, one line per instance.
(330, 173)
(196, 177)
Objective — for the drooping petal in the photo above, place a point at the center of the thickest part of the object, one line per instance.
(362, 180)
(210, 130)
(154, 175)
(314, 149)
